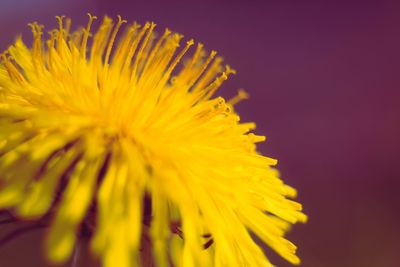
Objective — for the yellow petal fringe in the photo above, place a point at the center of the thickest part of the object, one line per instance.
(101, 120)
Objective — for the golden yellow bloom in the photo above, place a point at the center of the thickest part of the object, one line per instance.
(118, 138)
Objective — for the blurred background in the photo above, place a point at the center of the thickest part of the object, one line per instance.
(324, 81)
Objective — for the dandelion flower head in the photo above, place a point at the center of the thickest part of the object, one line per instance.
(118, 132)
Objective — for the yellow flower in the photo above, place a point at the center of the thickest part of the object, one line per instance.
(119, 140)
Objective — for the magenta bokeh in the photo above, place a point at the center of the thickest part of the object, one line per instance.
(324, 80)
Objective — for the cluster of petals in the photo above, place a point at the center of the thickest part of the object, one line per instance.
(119, 131)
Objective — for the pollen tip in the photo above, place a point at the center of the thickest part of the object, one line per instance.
(178, 37)
(121, 20)
(220, 100)
(229, 70)
(91, 17)
(243, 94)
(303, 218)
(190, 42)
(147, 25)
(60, 18)
(107, 19)
(136, 25)
(33, 27)
(224, 76)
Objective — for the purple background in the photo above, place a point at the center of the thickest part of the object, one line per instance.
(324, 81)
